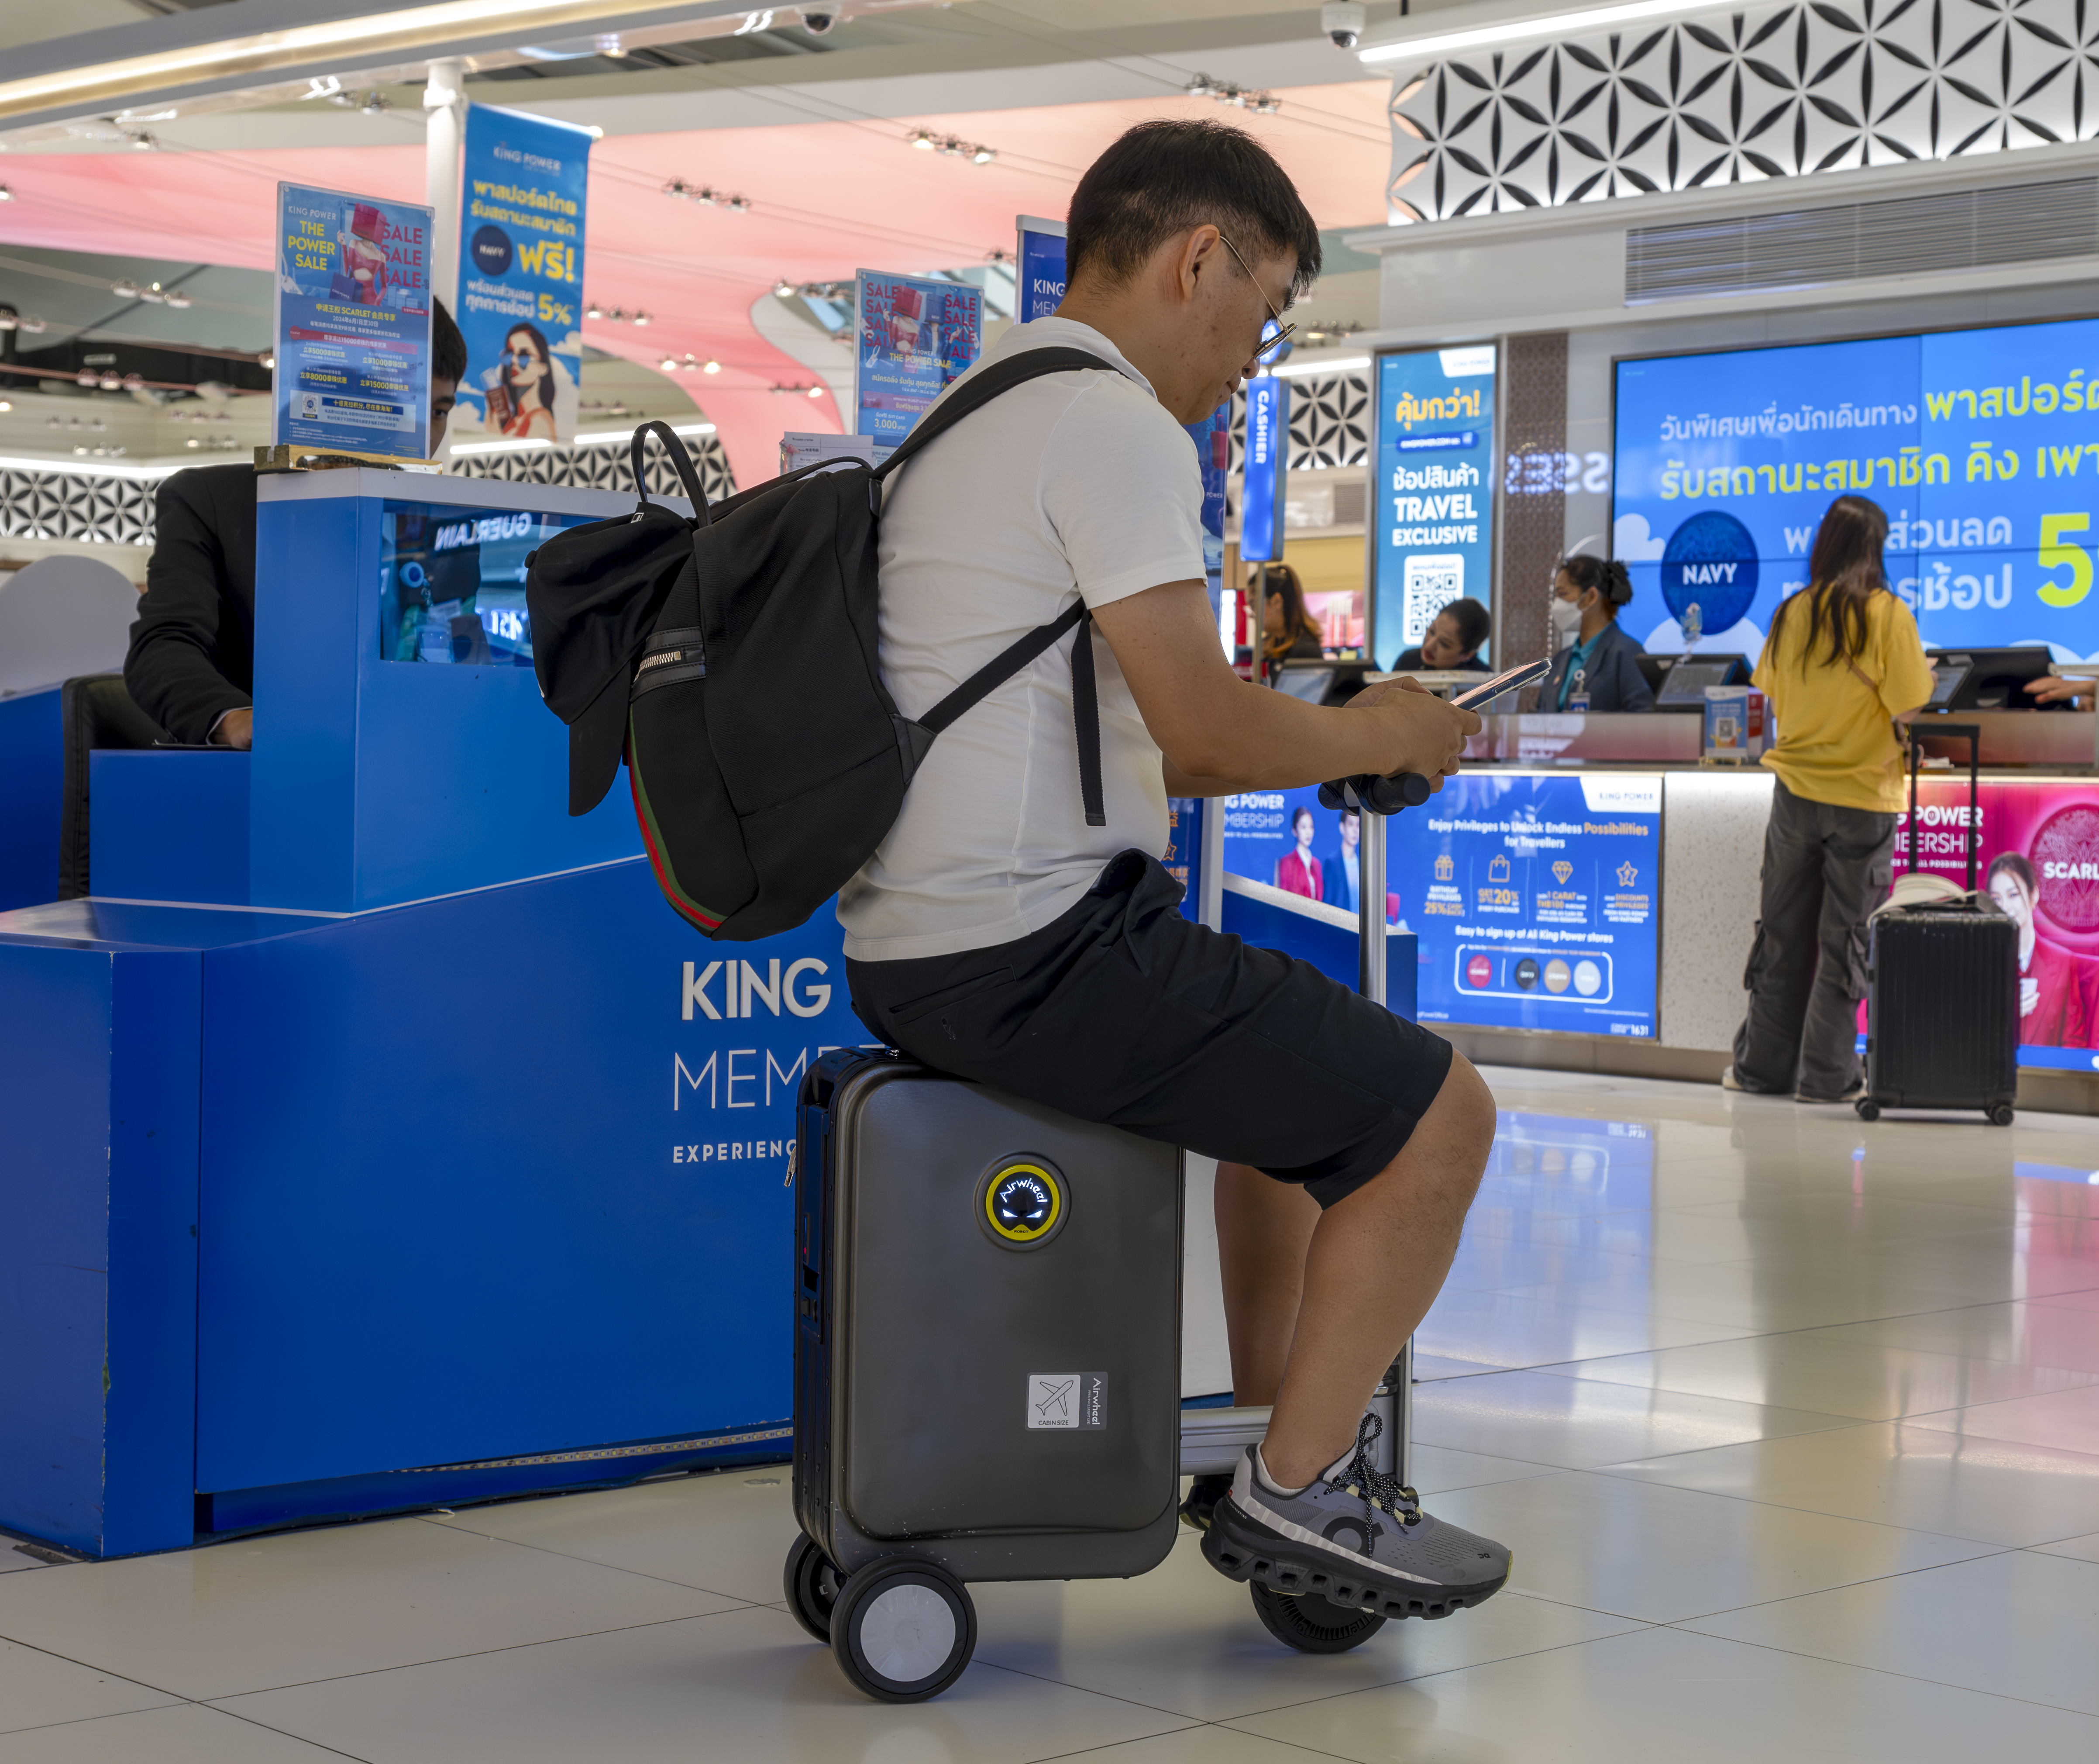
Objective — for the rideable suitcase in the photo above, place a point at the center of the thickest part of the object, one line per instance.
(1942, 987)
(986, 1359)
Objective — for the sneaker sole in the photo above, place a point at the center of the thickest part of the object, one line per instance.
(1242, 1549)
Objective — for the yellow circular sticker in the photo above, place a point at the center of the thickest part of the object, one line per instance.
(1023, 1202)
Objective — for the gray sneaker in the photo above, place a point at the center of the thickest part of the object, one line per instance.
(1353, 1537)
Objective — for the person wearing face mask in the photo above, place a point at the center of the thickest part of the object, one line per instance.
(1597, 667)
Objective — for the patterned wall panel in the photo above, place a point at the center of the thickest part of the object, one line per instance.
(1533, 424)
(59, 503)
(1778, 92)
(1330, 421)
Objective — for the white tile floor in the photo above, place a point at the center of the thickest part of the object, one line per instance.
(1793, 1424)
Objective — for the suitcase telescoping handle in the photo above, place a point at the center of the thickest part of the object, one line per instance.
(1973, 731)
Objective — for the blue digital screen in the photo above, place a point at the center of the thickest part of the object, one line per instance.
(1973, 442)
(1041, 271)
(1267, 449)
(451, 583)
(1431, 524)
(1537, 901)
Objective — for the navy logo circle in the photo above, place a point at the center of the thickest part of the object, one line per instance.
(1710, 562)
(491, 250)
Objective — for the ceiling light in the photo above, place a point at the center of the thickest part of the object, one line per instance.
(1560, 25)
(815, 391)
(269, 361)
(6, 194)
(667, 364)
(593, 310)
(923, 139)
(638, 317)
(176, 298)
(710, 366)
(5, 406)
(30, 323)
(152, 293)
(784, 289)
(110, 383)
(167, 114)
(123, 288)
(376, 104)
(982, 156)
(143, 141)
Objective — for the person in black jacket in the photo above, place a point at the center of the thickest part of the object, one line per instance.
(1454, 639)
(192, 665)
(1599, 669)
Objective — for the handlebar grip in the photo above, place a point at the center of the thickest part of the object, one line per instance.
(1387, 796)
(1330, 793)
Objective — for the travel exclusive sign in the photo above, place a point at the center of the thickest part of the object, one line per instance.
(1982, 447)
(352, 324)
(521, 213)
(1431, 499)
(914, 335)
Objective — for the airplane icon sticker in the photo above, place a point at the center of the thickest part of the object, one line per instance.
(1064, 1401)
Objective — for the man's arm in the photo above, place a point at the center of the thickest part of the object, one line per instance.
(173, 667)
(1221, 734)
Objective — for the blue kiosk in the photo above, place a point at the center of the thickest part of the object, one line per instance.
(375, 1136)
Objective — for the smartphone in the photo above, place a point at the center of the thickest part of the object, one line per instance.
(1494, 687)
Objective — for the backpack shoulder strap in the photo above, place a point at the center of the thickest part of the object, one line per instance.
(979, 390)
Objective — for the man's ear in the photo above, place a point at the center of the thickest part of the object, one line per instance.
(1198, 250)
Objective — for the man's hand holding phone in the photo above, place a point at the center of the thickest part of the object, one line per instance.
(1419, 731)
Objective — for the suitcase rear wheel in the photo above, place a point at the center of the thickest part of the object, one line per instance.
(811, 1585)
(2001, 1115)
(1868, 1109)
(1311, 1624)
(903, 1631)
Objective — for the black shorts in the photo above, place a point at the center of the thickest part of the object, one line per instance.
(1125, 1012)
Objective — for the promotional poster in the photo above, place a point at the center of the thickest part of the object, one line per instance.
(2037, 856)
(916, 334)
(353, 324)
(1974, 441)
(1537, 901)
(1285, 839)
(1431, 504)
(1039, 272)
(520, 274)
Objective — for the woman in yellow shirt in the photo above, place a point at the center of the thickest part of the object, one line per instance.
(1842, 667)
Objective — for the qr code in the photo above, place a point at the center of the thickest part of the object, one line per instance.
(1432, 583)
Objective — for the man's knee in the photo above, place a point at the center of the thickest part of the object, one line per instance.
(1463, 1112)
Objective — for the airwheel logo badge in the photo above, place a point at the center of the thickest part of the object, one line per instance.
(1021, 1202)
(1710, 562)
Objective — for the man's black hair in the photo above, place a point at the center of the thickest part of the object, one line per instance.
(448, 347)
(1163, 178)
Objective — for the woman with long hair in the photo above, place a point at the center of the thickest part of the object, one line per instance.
(1287, 627)
(2050, 992)
(1842, 667)
(528, 378)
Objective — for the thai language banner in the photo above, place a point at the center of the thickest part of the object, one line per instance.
(1432, 501)
(521, 273)
(353, 324)
(1974, 441)
(915, 334)
(2037, 846)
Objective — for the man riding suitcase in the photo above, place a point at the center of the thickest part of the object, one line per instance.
(1009, 931)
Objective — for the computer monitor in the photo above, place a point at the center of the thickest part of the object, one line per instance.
(1997, 678)
(1309, 684)
(1683, 687)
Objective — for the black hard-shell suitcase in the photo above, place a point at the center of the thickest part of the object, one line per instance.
(986, 1359)
(1943, 989)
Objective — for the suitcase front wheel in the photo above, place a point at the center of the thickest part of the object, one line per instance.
(1868, 1109)
(2001, 1114)
(1312, 1623)
(811, 1585)
(903, 1631)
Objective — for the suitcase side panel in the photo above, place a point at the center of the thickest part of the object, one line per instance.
(1944, 1010)
(941, 1328)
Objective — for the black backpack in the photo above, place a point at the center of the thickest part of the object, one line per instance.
(731, 659)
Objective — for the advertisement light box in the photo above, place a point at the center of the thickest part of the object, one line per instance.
(1982, 447)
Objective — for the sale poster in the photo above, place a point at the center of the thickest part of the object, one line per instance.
(521, 274)
(353, 324)
(2037, 857)
(915, 334)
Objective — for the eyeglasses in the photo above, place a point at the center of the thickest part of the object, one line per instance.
(524, 357)
(1282, 331)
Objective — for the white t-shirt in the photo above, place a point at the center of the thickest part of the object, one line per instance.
(1075, 483)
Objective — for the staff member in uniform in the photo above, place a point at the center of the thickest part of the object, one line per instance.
(1455, 636)
(1843, 666)
(1599, 669)
(191, 664)
(1288, 630)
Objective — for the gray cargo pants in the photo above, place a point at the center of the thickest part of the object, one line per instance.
(1825, 869)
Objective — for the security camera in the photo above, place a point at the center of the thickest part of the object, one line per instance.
(818, 20)
(1343, 21)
